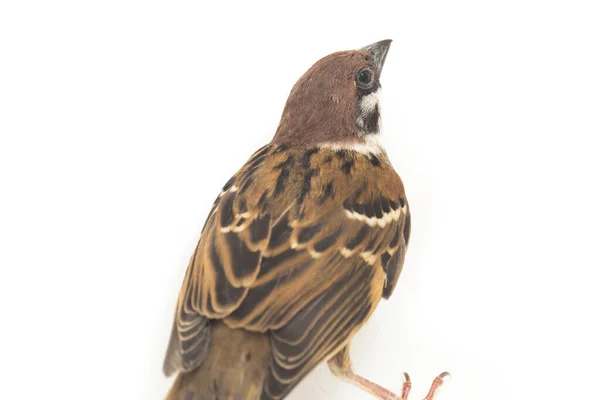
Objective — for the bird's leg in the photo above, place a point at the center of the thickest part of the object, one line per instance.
(341, 366)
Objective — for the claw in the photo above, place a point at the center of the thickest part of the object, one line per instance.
(437, 382)
(444, 376)
(405, 387)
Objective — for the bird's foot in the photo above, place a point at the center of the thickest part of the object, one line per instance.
(437, 382)
(384, 394)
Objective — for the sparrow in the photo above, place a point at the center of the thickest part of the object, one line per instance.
(299, 247)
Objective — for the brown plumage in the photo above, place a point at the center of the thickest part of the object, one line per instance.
(299, 247)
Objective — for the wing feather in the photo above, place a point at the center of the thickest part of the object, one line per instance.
(309, 272)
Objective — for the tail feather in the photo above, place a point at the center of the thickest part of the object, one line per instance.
(173, 357)
(235, 368)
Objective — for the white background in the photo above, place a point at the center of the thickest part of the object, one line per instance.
(121, 120)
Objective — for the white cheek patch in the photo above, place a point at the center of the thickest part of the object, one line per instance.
(368, 119)
(369, 102)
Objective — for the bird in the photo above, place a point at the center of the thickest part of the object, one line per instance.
(298, 248)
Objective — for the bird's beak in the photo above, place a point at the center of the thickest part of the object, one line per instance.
(379, 51)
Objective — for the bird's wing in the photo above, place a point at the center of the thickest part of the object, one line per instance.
(393, 263)
(309, 269)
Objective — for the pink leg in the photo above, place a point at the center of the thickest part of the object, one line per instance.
(341, 367)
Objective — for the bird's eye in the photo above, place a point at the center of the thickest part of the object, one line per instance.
(365, 78)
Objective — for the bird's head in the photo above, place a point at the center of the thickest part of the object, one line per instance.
(336, 102)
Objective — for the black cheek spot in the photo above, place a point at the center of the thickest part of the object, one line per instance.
(372, 121)
(375, 161)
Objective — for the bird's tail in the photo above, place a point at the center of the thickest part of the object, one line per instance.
(234, 369)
